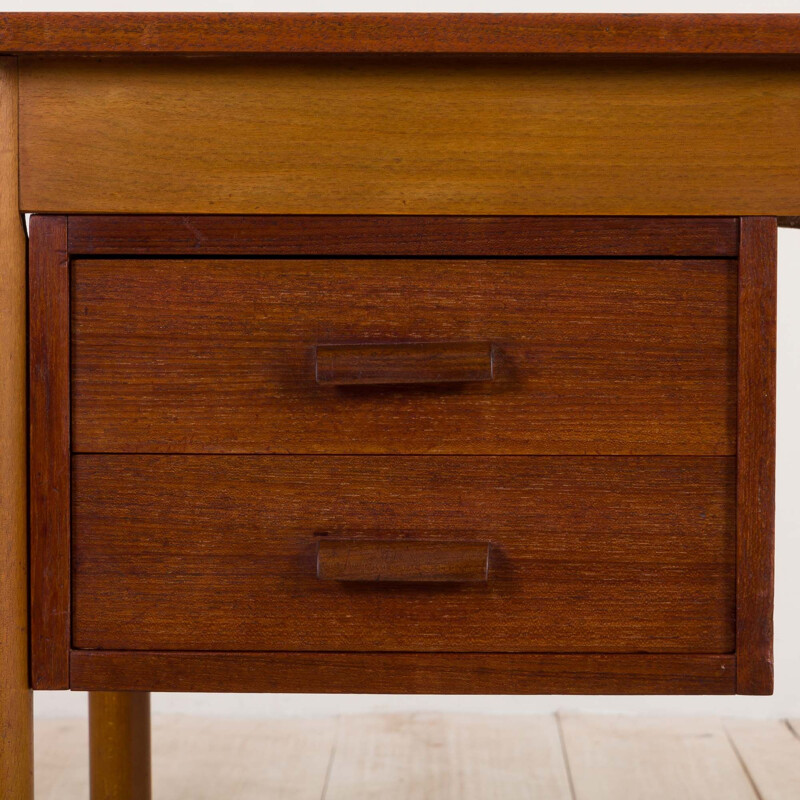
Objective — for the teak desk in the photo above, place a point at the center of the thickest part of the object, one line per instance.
(386, 353)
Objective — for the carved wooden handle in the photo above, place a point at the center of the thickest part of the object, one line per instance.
(441, 362)
(402, 560)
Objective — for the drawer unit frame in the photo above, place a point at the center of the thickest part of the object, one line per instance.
(56, 240)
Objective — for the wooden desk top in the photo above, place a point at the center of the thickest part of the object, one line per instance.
(215, 33)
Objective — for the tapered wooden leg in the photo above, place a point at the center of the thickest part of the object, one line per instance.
(16, 716)
(119, 745)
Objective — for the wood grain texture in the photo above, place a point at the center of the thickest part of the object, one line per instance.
(50, 452)
(756, 454)
(699, 34)
(405, 673)
(659, 759)
(403, 363)
(16, 712)
(200, 758)
(608, 357)
(219, 553)
(405, 560)
(254, 759)
(411, 756)
(770, 753)
(448, 757)
(412, 135)
(343, 235)
(119, 745)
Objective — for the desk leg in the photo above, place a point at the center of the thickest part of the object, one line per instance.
(16, 716)
(119, 745)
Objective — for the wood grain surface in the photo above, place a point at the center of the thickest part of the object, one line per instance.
(414, 135)
(49, 364)
(446, 757)
(405, 560)
(770, 751)
(219, 553)
(406, 363)
(406, 673)
(399, 33)
(16, 710)
(343, 235)
(608, 357)
(655, 758)
(119, 745)
(755, 561)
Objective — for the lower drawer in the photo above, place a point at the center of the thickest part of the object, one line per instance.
(596, 554)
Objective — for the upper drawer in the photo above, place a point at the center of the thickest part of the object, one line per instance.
(589, 356)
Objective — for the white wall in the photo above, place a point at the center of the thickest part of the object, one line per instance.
(786, 700)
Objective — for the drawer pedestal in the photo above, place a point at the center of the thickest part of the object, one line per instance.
(581, 414)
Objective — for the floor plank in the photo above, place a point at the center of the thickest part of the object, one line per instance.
(652, 759)
(771, 755)
(206, 759)
(199, 758)
(444, 757)
(447, 757)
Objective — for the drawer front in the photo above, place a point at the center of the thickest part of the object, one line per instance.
(212, 553)
(588, 356)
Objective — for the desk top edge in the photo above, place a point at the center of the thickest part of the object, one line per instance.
(398, 33)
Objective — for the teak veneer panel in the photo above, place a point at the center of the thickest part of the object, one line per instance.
(399, 33)
(592, 356)
(587, 554)
(49, 369)
(406, 673)
(755, 559)
(400, 235)
(411, 135)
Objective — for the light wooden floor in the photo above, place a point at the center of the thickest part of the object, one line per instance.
(446, 757)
